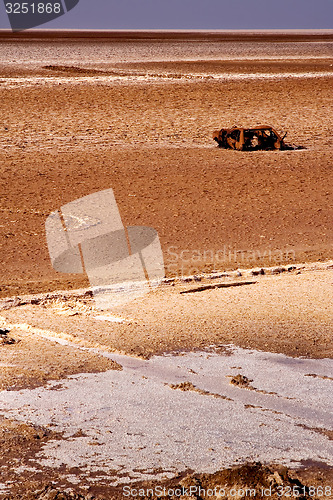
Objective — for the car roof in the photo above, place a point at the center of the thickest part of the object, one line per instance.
(258, 127)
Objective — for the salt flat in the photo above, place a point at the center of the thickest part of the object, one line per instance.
(135, 421)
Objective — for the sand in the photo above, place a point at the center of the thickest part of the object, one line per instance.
(149, 139)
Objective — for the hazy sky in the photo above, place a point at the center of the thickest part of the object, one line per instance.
(193, 14)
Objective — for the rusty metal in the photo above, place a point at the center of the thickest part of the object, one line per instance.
(262, 137)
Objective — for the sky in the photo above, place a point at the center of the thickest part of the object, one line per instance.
(191, 14)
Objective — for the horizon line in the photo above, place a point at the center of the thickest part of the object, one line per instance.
(172, 30)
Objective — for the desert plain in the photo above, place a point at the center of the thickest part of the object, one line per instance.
(134, 112)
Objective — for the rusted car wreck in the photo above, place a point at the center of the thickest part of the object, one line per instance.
(262, 137)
